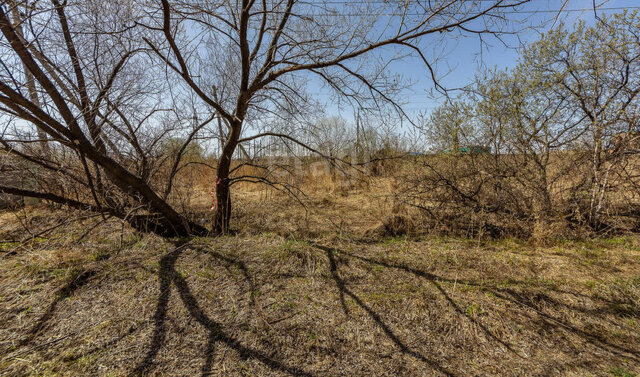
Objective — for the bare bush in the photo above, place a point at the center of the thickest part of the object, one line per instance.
(544, 149)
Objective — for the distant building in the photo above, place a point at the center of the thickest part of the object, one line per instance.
(470, 149)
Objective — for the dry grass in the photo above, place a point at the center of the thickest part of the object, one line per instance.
(297, 293)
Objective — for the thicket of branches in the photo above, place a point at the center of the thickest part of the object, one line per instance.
(101, 101)
(564, 137)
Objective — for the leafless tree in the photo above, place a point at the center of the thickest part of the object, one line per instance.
(75, 79)
(563, 131)
(92, 92)
(601, 77)
(248, 61)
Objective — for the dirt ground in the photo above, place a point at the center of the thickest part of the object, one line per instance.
(298, 291)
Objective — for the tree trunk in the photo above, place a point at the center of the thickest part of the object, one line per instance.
(222, 216)
(546, 225)
(175, 223)
(596, 170)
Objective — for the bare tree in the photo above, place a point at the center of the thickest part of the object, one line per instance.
(248, 61)
(17, 15)
(563, 129)
(598, 70)
(74, 71)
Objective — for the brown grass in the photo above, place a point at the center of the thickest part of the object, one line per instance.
(297, 292)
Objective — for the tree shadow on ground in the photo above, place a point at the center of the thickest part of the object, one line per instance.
(526, 300)
(168, 276)
(63, 293)
(344, 290)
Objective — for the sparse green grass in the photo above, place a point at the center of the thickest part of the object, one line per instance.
(474, 310)
(621, 372)
(100, 254)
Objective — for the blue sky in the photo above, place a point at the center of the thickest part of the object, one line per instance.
(462, 59)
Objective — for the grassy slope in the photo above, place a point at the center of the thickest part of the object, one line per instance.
(312, 303)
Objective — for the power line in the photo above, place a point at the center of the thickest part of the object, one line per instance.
(388, 3)
(339, 14)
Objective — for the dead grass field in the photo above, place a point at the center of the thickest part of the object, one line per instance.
(305, 293)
